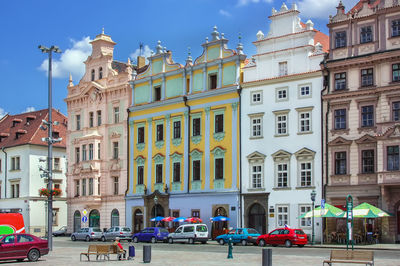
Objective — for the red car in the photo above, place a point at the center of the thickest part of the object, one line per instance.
(21, 246)
(283, 236)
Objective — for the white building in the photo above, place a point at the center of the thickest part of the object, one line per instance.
(21, 153)
(281, 124)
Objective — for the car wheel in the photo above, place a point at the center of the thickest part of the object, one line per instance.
(191, 241)
(73, 238)
(153, 240)
(221, 241)
(244, 242)
(103, 239)
(170, 240)
(135, 240)
(33, 255)
(87, 238)
(261, 243)
(288, 244)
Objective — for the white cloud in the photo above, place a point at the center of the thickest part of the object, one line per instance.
(71, 60)
(322, 8)
(29, 109)
(224, 13)
(246, 2)
(146, 52)
(2, 113)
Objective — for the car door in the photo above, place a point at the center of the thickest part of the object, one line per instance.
(7, 247)
(283, 235)
(85, 232)
(178, 233)
(150, 234)
(116, 232)
(141, 235)
(272, 237)
(239, 235)
(79, 233)
(22, 245)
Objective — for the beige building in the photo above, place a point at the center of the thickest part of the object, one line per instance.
(362, 112)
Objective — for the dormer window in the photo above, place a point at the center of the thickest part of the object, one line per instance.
(55, 134)
(16, 121)
(20, 132)
(29, 119)
(93, 74)
(213, 81)
(100, 73)
(157, 93)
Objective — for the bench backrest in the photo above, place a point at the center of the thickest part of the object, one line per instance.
(103, 248)
(92, 248)
(360, 255)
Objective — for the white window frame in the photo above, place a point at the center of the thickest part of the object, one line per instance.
(283, 68)
(278, 172)
(260, 172)
(304, 222)
(307, 170)
(277, 92)
(278, 114)
(280, 212)
(252, 124)
(253, 94)
(300, 87)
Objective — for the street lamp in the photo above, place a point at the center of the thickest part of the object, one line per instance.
(313, 194)
(50, 141)
(155, 209)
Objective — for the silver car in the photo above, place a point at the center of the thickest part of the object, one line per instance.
(87, 234)
(124, 233)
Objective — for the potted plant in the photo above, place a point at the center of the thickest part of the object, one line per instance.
(46, 192)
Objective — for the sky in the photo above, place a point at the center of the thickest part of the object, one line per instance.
(71, 24)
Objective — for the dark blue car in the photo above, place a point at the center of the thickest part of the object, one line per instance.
(151, 234)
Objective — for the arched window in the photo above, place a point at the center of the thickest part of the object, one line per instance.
(93, 74)
(257, 218)
(94, 218)
(114, 218)
(100, 73)
(77, 221)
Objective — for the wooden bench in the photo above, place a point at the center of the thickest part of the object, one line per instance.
(103, 250)
(92, 250)
(351, 256)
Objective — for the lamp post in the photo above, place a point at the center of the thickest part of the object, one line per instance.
(50, 141)
(155, 209)
(313, 194)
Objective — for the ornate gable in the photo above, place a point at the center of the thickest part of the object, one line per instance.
(366, 139)
(339, 141)
(391, 132)
(281, 155)
(305, 153)
(256, 157)
(158, 158)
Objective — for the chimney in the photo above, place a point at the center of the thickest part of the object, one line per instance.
(141, 61)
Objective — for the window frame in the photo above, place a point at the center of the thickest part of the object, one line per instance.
(305, 222)
(367, 77)
(283, 69)
(340, 81)
(116, 114)
(281, 126)
(396, 158)
(368, 113)
(176, 171)
(212, 78)
(395, 32)
(78, 122)
(340, 163)
(397, 70)
(91, 119)
(366, 34)
(364, 165)
(338, 125)
(259, 125)
(115, 185)
(257, 101)
(340, 39)
(115, 154)
(300, 87)
(286, 92)
(257, 177)
(280, 212)
(99, 118)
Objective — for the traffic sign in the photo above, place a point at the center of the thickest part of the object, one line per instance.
(322, 204)
(84, 212)
(84, 219)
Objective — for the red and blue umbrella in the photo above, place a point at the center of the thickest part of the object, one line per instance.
(168, 219)
(157, 219)
(179, 219)
(193, 220)
(220, 219)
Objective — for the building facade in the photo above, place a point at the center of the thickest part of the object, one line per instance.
(22, 154)
(281, 124)
(361, 111)
(97, 139)
(184, 137)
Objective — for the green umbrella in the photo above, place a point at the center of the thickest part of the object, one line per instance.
(365, 210)
(328, 211)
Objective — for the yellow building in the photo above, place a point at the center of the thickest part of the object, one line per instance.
(184, 136)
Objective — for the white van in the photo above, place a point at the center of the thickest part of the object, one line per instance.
(189, 233)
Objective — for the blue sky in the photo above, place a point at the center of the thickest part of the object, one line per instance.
(71, 24)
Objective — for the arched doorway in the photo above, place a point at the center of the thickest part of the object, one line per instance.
(94, 219)
(77, 221)
(257, 218)
(219, 228)
(157, 210)
(137, 221)
(114, 218)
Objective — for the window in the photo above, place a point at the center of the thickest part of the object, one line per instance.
(98, 118)
(77, 188)
(98, 186)
(160, 132)
(213, 81)
(340, 81)
(78, 122)
(305, 174)
(140, 175)
(256, 176)
(56, 165)
(98, 151)
(196, 126)
(395, 28)
(340, 163)
(282, 175)
(93, 72)
(367, 116)
(283, 68)
(282, 215)
(368, 162)
(90, 186)
(177, 172)
(305, 222)
(196, 170)
(141, 135)
(159, 173)
(219, 123)
(91, 151)
(24, 239)
(256, 127)
(56, 212)
(367, 77)
(177, 129)
(91, 119)
(116, 185)
(305, 122)
(77, 155)
(100, 72)
(366, 34)
(84, 187)
(305, 91)
(393, 158)
(340, 39)
(57, 186)
(340, 119)
(0, 167)
(282, 94)
(196, 213)
(157, 93)
(116, 115)
(219, 168)
(15, 163)
(15, 190)
(396, 111)
(396, 72)
(256, 97)
(281, 124)
(84, 158)
(115, 150)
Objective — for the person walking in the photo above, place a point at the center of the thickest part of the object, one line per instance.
(120, 248)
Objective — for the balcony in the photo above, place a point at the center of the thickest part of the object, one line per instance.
(389, 178)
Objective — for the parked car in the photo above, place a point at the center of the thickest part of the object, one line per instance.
(88, 234)
(151, 234)
(189, 233)
(283, 236)
(21, 246)
(239, 235)
(124, 233)
(60, 232)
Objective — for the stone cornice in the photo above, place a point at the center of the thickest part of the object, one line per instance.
(361, 92)
(280, 79)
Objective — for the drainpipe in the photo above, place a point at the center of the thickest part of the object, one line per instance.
(240, 157)
(127, 163)
(188, 148)
(5, 173)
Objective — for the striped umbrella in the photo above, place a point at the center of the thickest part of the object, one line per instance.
(193, 220)
(220, 219)
(157, 219)
(168, 219)
(179, 219)
(366, 210)
(328, 211)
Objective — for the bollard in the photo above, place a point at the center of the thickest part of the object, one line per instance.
(146, 254)
(266, 257)
(230, 249)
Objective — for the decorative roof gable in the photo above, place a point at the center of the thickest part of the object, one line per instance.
(340, 141)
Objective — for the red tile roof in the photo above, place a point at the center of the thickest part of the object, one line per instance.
(25, 128)
(321, 38)
(359, 5)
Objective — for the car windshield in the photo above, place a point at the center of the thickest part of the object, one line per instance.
(299, 232)
(163, 230)
(96, 230)
(252, 231)
(201, 228)
(126, 229)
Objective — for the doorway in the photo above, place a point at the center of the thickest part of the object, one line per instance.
(221, 227)
(77, 221)
(137, 221)
(257, 218)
